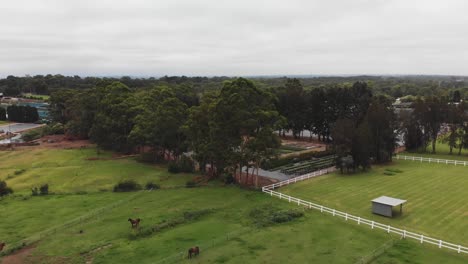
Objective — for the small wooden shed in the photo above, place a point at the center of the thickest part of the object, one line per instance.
(384, 205)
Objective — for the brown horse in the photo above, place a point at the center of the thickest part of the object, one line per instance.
(195, 251)
(2, 245)
(135, 222)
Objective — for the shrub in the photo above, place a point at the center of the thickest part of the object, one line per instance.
(184, 164)
(173, 167)
(228, 178)
(268, 215)
(190, 184)
(4, 189)
(18, 172)
(152, 186)
(44, 189)
(127, 186)
(34, 191)
(53, 129)
(31, 135)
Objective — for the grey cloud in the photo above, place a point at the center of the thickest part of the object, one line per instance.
(233, 37)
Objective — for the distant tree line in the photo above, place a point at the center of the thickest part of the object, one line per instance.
(408, 87)
(22, 114)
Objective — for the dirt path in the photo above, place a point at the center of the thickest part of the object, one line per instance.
(19, 256)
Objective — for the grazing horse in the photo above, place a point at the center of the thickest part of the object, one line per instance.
(2, 245)
(195, 251)
(135, 222)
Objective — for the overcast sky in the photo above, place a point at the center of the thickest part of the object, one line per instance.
(241, 37)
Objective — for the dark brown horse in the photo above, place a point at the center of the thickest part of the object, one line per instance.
(195, 251)
(135, 222)
(2, 245)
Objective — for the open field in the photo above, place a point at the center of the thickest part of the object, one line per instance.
(313, 238)
(437, 198)
(226, 234)
(2, 122)
(41, 96)
(76, 170)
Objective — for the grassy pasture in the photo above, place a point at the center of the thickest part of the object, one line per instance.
(436, 193)
(226, 235)
(70, 171)
(314, 238)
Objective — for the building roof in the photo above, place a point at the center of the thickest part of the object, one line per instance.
(388, 201)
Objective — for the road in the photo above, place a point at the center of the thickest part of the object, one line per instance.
(16, 128)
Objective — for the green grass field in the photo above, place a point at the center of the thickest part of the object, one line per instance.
(315, 238)
(73, 171)
(227, 234)
(41, 96)
(437, 196)
(2, 122)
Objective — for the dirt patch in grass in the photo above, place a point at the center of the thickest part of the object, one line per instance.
(20, 256)
(60, 142)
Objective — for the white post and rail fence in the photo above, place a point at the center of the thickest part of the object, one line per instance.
(349, 217)
(431, 160)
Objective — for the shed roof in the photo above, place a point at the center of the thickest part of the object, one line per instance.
(388, 201)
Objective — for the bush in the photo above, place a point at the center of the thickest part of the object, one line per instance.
(228, 178)
(44, 189)
(173, 167)
(184, 164)
(190, 184)
(152, 186)
(53, 129)
(4, 189)
(21, 171)
(31, 135)
(268, 215)
(34, 191)
(127, 186)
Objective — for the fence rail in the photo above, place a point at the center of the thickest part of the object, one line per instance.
(431, 160)
(269, 189)
(68, 224)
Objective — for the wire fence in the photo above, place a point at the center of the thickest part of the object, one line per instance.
(269, 189)
(78, 220)
(431, 160)
(377, 252)
(205, 245)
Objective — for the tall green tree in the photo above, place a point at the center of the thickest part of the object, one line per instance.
(114, 118)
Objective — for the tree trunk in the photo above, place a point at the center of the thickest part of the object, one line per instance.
(434, 145)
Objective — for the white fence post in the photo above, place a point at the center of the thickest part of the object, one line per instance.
(372, 226)
(404, 233)
(422, 238)
(359, 220)
(440, 243)
(388, 229)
